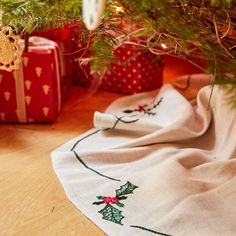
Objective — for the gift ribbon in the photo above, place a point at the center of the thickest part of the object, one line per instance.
(35, 43)
(20, 94)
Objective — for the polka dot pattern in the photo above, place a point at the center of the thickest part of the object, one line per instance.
(135, 72)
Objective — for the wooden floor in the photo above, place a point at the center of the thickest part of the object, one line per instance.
(32, 201)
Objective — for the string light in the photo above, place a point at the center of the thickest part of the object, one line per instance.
(163, 46)
(119, 9)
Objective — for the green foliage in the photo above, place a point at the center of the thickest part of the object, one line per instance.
(221, 2)
(202, 32)
(102, 52)
(26, 16)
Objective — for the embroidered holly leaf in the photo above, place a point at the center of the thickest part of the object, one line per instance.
(112, 214)
(151, 113)
(100, 197)
(128, 111)
(100, 202)
(119, 204)
(121, 197)
(127, 188)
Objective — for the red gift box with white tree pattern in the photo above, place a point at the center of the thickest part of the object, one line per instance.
(33, 92)
(63, 37)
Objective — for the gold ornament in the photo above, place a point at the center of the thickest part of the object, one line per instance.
(10, 51)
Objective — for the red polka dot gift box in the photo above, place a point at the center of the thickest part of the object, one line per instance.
(136, 71)
(33, 92)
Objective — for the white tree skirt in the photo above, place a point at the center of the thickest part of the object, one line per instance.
(156, 163)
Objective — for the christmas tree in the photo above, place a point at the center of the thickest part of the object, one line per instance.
(202, 32)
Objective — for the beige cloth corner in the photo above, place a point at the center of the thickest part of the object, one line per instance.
(170, 161)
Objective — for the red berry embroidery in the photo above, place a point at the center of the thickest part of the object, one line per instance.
(145, 109)
(114, 200)
(141, 108)
(111, 200)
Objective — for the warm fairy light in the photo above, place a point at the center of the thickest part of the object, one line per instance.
(119, 9)
(163, 46)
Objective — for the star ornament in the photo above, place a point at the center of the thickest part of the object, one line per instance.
(10, 50)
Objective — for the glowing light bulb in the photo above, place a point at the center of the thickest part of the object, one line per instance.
(119, 9)
(163, 46)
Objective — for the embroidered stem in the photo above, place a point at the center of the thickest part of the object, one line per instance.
(106, 129)
(158, 103)
(72, 149)
(123, 121)
(96, 131)
(149, 230)
(105, 176)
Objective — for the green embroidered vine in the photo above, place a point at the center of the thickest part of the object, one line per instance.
(118, 119)
(150, 230)
(87, 136)
(86, 166)
(111, 213)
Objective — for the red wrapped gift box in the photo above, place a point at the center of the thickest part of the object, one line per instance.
(62, 37)
(33, 92)
(136, 71)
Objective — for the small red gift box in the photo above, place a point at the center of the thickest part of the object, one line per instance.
(136, 71)
(33, 92)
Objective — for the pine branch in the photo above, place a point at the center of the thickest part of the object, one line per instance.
(26, 16)
(199, 31)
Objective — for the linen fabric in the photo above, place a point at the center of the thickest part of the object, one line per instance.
(157, 163)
